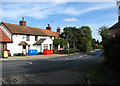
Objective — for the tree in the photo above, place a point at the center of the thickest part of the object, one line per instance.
(93, 43)
(70, 35)
(59, 41)
(97, 42)
(79, 38)
(103, 32)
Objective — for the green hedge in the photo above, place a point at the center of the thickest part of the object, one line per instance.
(112, 52)
(66, 51)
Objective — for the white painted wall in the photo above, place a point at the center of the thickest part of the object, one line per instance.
(47, 41)
(15, 48)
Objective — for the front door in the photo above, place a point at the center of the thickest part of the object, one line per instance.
(24, 50)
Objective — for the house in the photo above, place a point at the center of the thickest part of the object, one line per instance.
(4, 39)
(114, 30)
(20, 38)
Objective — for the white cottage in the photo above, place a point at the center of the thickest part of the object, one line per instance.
(24, 37)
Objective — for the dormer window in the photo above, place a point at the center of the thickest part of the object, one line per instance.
(27, 38)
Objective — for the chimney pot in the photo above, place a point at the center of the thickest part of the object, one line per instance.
(22, 18)
(48, 25)
(58, 30)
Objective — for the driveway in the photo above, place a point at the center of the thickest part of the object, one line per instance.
(70, 69)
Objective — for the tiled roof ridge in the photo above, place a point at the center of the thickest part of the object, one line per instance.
(29, 27)
(51, 33)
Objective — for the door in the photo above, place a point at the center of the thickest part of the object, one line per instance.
(24, 50)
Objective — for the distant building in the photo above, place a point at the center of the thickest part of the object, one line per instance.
(20, 38)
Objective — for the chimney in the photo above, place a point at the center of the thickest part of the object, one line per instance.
(48, 28)
(22, 23)
(58, 30)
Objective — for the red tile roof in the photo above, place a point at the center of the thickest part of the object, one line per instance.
(4, 37)
(18, 29)
(22, 43)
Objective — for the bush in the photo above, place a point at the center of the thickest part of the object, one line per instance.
(55, 51)
(112, 52)
(98, 47)
(67, 51)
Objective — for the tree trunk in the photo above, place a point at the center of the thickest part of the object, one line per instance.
(74, 45)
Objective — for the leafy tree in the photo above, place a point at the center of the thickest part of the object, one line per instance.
(59, 41)
(103, 32)
(97, 42)
(93, 43)
(79, 38)
(70, 35)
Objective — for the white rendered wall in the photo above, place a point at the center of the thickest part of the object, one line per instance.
(15, 48)
(47, 41)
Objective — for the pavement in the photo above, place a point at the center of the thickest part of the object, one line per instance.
(33, 57)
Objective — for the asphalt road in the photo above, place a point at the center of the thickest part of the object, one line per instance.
(16, 67)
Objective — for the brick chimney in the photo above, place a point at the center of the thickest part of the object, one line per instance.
(48, 28)
(22, 23)
(58, 30)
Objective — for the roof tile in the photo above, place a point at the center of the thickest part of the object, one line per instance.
(18, 29)
(4, 37)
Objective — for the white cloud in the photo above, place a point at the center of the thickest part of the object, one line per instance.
(70, 20)
(43, 10)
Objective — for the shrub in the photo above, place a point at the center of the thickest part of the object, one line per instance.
(98, 46)
(112, 52)
(66, 51)
(55, 51)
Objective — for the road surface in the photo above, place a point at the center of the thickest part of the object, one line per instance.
(12, 68)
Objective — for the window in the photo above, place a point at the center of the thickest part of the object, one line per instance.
(50, 46)
(51, 37)
(28, 46)
(27, 38)
(36, 38)
(4, 45)
(45, 46)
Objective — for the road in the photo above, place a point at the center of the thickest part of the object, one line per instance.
(20, 67)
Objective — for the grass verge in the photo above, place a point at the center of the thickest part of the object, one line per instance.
(103, 75)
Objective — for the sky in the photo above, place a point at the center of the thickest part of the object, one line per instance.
(63, 13)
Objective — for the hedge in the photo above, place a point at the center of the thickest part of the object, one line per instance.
(112, 52)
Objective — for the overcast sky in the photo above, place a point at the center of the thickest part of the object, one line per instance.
(62, 14)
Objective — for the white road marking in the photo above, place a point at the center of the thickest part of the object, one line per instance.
(81, 56)
(66, 58)
(75, 57)
(85, 55)
(30, 62)
(51, 60)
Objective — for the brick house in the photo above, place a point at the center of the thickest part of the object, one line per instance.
(114, 30)
(20, 38)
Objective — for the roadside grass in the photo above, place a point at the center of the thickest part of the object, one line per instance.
(103, 75)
